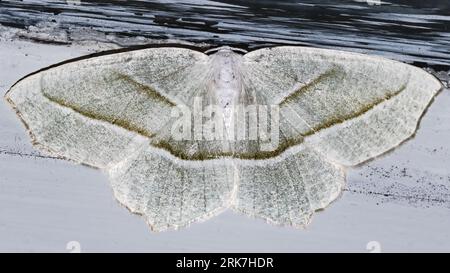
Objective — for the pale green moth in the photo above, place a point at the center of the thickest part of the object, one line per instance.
(326, 109)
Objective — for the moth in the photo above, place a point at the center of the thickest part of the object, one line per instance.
(183, 134)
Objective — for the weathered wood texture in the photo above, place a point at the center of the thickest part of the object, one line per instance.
(401, 200)
(411, 30)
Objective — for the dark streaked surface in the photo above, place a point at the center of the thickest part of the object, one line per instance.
(400, 201)
(409, 30)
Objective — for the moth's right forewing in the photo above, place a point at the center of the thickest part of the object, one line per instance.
(98, 110)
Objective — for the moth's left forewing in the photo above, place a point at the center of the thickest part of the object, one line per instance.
(399, 96)
(325, 92)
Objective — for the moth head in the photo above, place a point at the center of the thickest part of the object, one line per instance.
(226, 49)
